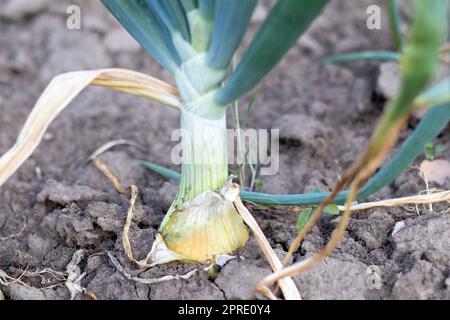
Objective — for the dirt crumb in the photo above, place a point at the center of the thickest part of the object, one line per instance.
(302, 129)
(389, 79)
(109, 285)
(374, 230)
(21, 292)
(248, 275)
(196, 288)
(425, 233)
(335, 280)
(59, 193)
(422, 282)
(107, 216)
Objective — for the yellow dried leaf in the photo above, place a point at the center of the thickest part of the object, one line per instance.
(62, 90)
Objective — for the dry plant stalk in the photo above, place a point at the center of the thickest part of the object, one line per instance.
(286, 285)
(126, 230)
(139, 84)
(71, 278)
(428, 198)
(74, 277)
(100, 165)
(111, 144)
(148, 281)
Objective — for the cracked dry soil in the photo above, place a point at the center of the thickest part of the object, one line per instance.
(66, 205)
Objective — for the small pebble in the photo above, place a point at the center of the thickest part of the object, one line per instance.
(397, 227)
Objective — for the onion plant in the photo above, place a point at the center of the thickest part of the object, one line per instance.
(195, 40)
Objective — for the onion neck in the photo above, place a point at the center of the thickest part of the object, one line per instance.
(203, 131)
(204, 160)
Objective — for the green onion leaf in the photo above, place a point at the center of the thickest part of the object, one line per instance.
(285, 23)
(207, 8)
(230, 24)
(436, 94)
(394, 22)
(189, 5)
(363, 55)
(142, 24)
(201, 22)
(161, 170)
(173, 16)
(419, 61)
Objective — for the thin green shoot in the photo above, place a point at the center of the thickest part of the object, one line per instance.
(432, 150)
(250, 105)
(394, 24)
(171, 174)
(306, 213)
(377, 55)
(240, 126)
(303, 218)
(258, 184)
(244, 125)
(237, 127)
(254, 172)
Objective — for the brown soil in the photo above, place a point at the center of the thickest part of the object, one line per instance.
(325, 114)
